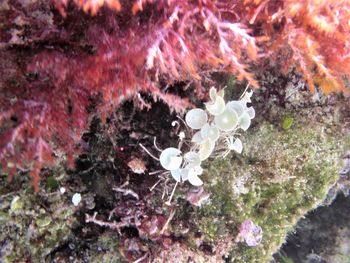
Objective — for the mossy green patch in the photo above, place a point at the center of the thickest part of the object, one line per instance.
(52, 183)
(287, 122)
(33, 226)
(279, 177)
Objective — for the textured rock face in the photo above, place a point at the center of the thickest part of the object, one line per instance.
(32, 226)
(322, 236)
(290, 160)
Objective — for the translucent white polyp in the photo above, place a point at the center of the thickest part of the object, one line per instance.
(192, 158)
(244, 121)
(196, 118)
(227, 120)
(170, 158)
(197, 138)
(198, 170)
(247, 96)
(216, 107)
(237, 106)
(205, 149)
(176, 174)
(251, 112)
(210, 131)
(237, 146)
(213, 93)
(193, 177)
(241, 107)
(184, 174)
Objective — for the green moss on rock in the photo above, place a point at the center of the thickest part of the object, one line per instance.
(33, 225)
(282, 174)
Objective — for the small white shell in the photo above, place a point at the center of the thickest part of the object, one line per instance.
(196, 118)
(205, 149)
(216, 107)
(226, 121)
(76, 198)
(210, 131)
(170, 159)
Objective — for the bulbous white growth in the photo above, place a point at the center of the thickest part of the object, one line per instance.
(217, 103)
(196, 118)
(190, 173)
(210, 131)
(236, 146)
(216, 107)
(197, 138)
(192, 158)
(251, 112)
(205, 149)
(244, 113)
(224, 119)
(237, 106)
(244, 121)
(170, 159)
(213, 93)
(193, 176)
(176, 174)
(227, 120)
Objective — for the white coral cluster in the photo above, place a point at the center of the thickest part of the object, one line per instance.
(216, 126)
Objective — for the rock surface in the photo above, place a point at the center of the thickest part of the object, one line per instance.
(283, 172)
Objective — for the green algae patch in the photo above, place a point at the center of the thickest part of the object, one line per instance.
(287, 122)
(279, 177)
(33, 226)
